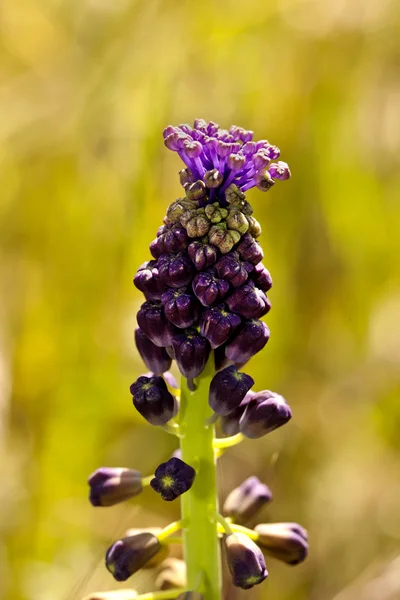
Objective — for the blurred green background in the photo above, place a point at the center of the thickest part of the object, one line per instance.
(86, 88)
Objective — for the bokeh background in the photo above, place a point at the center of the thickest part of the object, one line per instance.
(86, 88)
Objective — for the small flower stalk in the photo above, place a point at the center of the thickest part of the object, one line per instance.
(206, 291)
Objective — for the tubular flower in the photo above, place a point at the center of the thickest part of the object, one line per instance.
(245, 561)
(243, 503)
(285, 541)
(109, 486)
(128, 555)
(204, 286)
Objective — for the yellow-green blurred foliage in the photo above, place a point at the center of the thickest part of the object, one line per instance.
(86, 88)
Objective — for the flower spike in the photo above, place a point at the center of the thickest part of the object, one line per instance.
(205, 290)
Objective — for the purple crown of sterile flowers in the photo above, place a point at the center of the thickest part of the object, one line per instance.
(220, 157)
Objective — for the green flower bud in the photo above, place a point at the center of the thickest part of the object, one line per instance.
(196, 190)
(186, 176)
(254, 226)
(215, 212)
(222, 237)
(195, 222)
(213, 178)
(237, 220)
(233, 195)
(190, 596)
(177, 208)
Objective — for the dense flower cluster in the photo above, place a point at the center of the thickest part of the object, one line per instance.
(205, 292)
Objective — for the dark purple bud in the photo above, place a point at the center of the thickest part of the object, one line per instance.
(109, 486)
(227, 390)
(154, 357)
(148, 282)
(244, 502)
(230, 423)
(245, 561)
(213, 178)
(250, 338)
(217, 325)
(181, 308)
(170, 241)
(202, 255)
(175, 270)
(223, 237)
(232, 269)
(155, 249)
(152, 400)
(285, 541)
(250, 250)
(279, 170)
(208, 288)
(249, 301)
(172, 574)
(153, 322)
(264, 180)
(191, 352)
(265, 412)
(173, 478)
(261, 277)
(125, 557)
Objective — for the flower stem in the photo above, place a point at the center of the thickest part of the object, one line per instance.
(229, 441)
(199, 504)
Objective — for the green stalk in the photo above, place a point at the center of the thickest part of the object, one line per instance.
(200, 503)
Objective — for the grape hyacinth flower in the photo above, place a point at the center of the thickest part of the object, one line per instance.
(204, 288)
